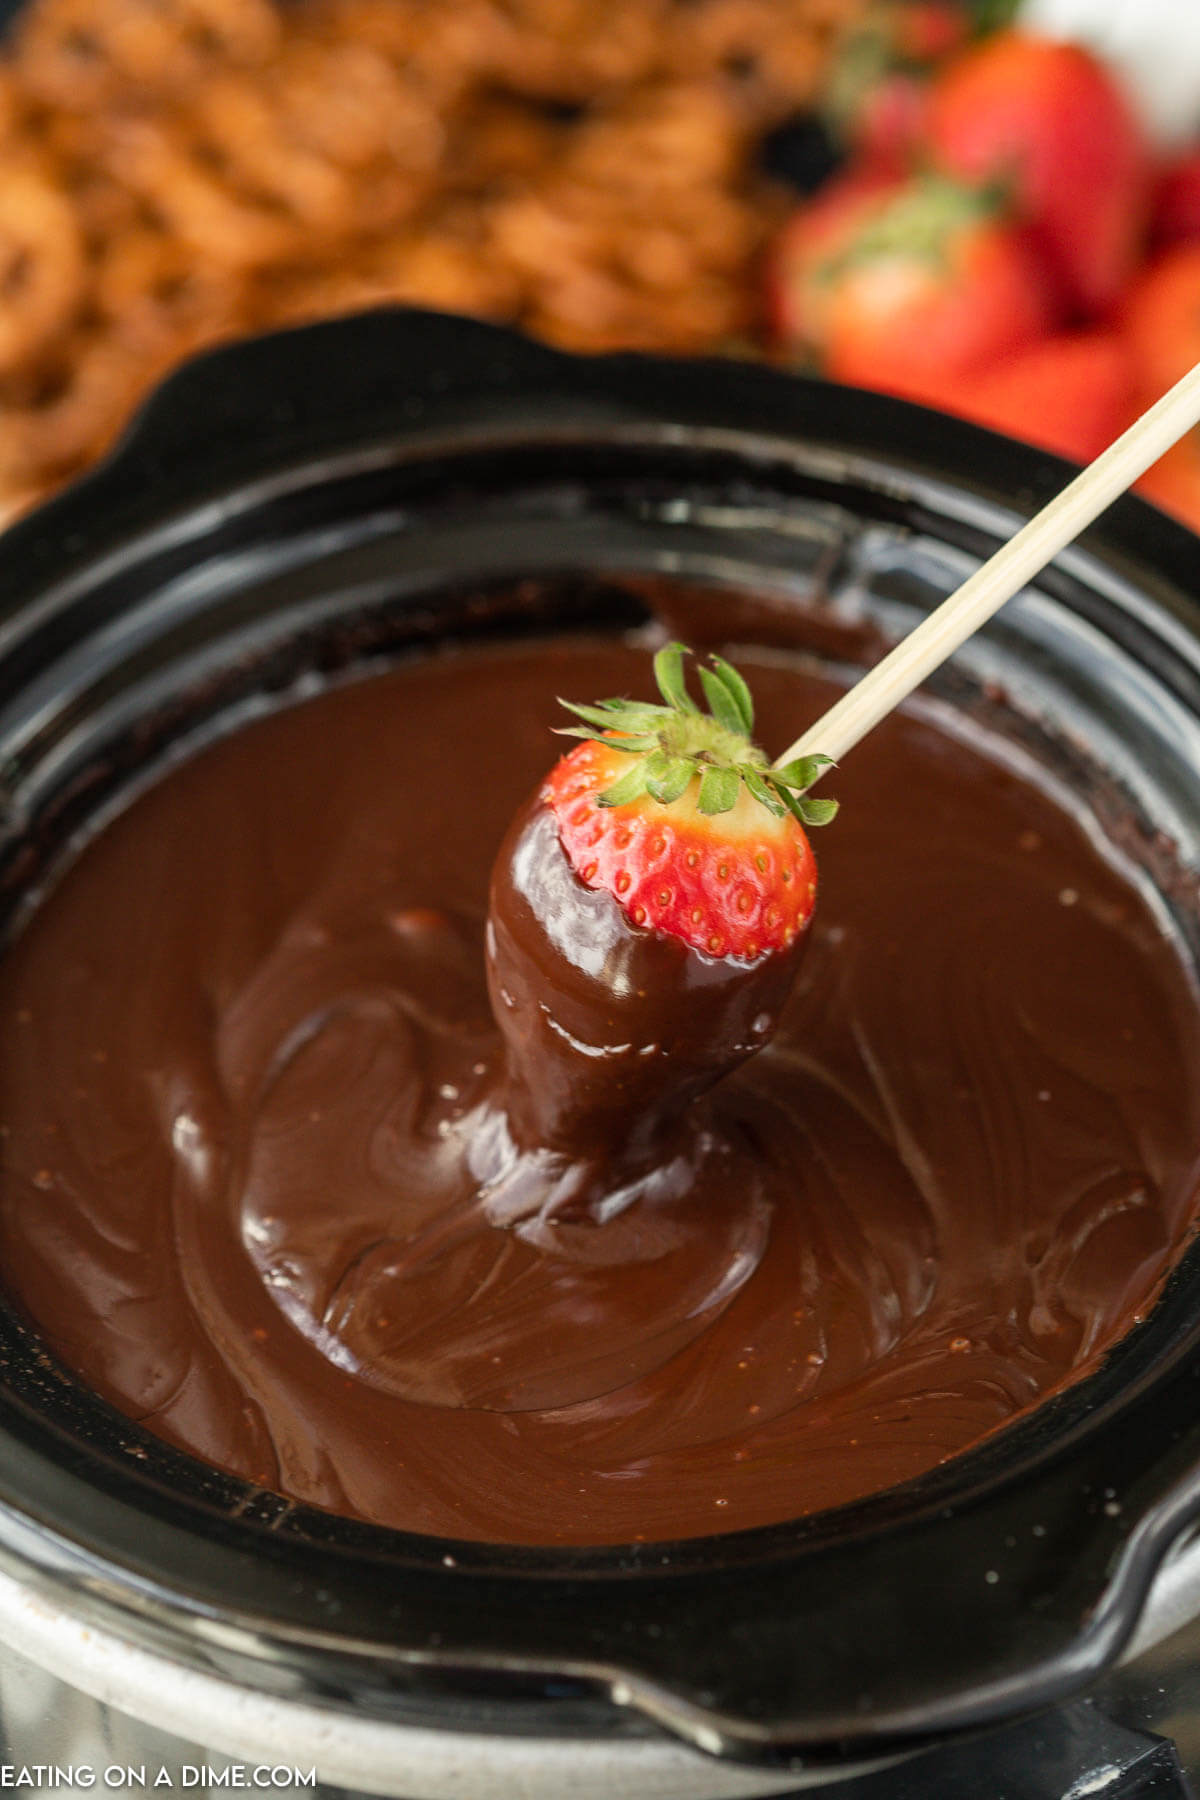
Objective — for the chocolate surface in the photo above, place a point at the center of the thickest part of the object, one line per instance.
(275, 1184)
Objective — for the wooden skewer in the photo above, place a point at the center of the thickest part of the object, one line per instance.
(1003, 575)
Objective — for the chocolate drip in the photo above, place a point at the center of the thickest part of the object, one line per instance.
(611, 1033)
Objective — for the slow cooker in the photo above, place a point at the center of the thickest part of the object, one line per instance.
(327, 500)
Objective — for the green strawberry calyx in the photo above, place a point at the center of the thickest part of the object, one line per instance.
(673, 743)
(918, 222)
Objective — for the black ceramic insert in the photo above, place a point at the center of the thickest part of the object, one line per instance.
(313, 500)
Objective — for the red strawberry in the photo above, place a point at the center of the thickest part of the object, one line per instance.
(1177, 200)
(1161, 318)
(722, 883)
(904, 287)
(1174, 482)
(1049, 119)
(815, 234)
(1072, 393)
(678, 816)
(645, 922)
(877, 93)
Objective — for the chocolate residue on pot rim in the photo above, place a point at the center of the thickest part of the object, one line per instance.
(261, 1186)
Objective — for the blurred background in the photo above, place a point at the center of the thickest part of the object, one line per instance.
(995, 211)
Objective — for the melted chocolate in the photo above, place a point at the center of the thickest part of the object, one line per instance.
(276, 1185)
(610, 1032)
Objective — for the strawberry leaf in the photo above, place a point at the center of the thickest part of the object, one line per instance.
(721, 703)
(628, 788)
(671, 744)
(737, 689)
(718, 789)
(668, 672)
(762, 791)
(609, 713)
(671, 780)
(606, 717)
(801, 773)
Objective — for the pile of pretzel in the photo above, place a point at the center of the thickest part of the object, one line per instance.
(179, 171)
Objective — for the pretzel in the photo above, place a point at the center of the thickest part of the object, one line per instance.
(41, 266)
(76, 54)
(180, 171)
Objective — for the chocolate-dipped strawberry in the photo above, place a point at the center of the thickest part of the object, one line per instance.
(647, 911)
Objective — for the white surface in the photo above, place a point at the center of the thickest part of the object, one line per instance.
(1153, 44)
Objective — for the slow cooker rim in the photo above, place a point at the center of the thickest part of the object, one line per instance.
(334, 381)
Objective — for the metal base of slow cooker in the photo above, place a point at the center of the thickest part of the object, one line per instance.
(91, 1710)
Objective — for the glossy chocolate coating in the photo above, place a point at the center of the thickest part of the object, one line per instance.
(277, 1186)
(610, 1032)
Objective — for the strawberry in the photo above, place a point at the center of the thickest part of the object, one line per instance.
(815, 233)
(678, 815)
(645, 921)
(1177, 200)
(1161, 319)
(1174, 481)
(1072, 393)
(1051, 121)
(876, 96)
(904, 286)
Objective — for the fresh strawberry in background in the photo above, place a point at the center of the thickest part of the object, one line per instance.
(817, 234)
(1034, 210)
(904, 286)
(1161, 320)
(877, 95)
(678, 815)
(1174, 481)
(1176, 211)
(1051, 121)
(1072, 393)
